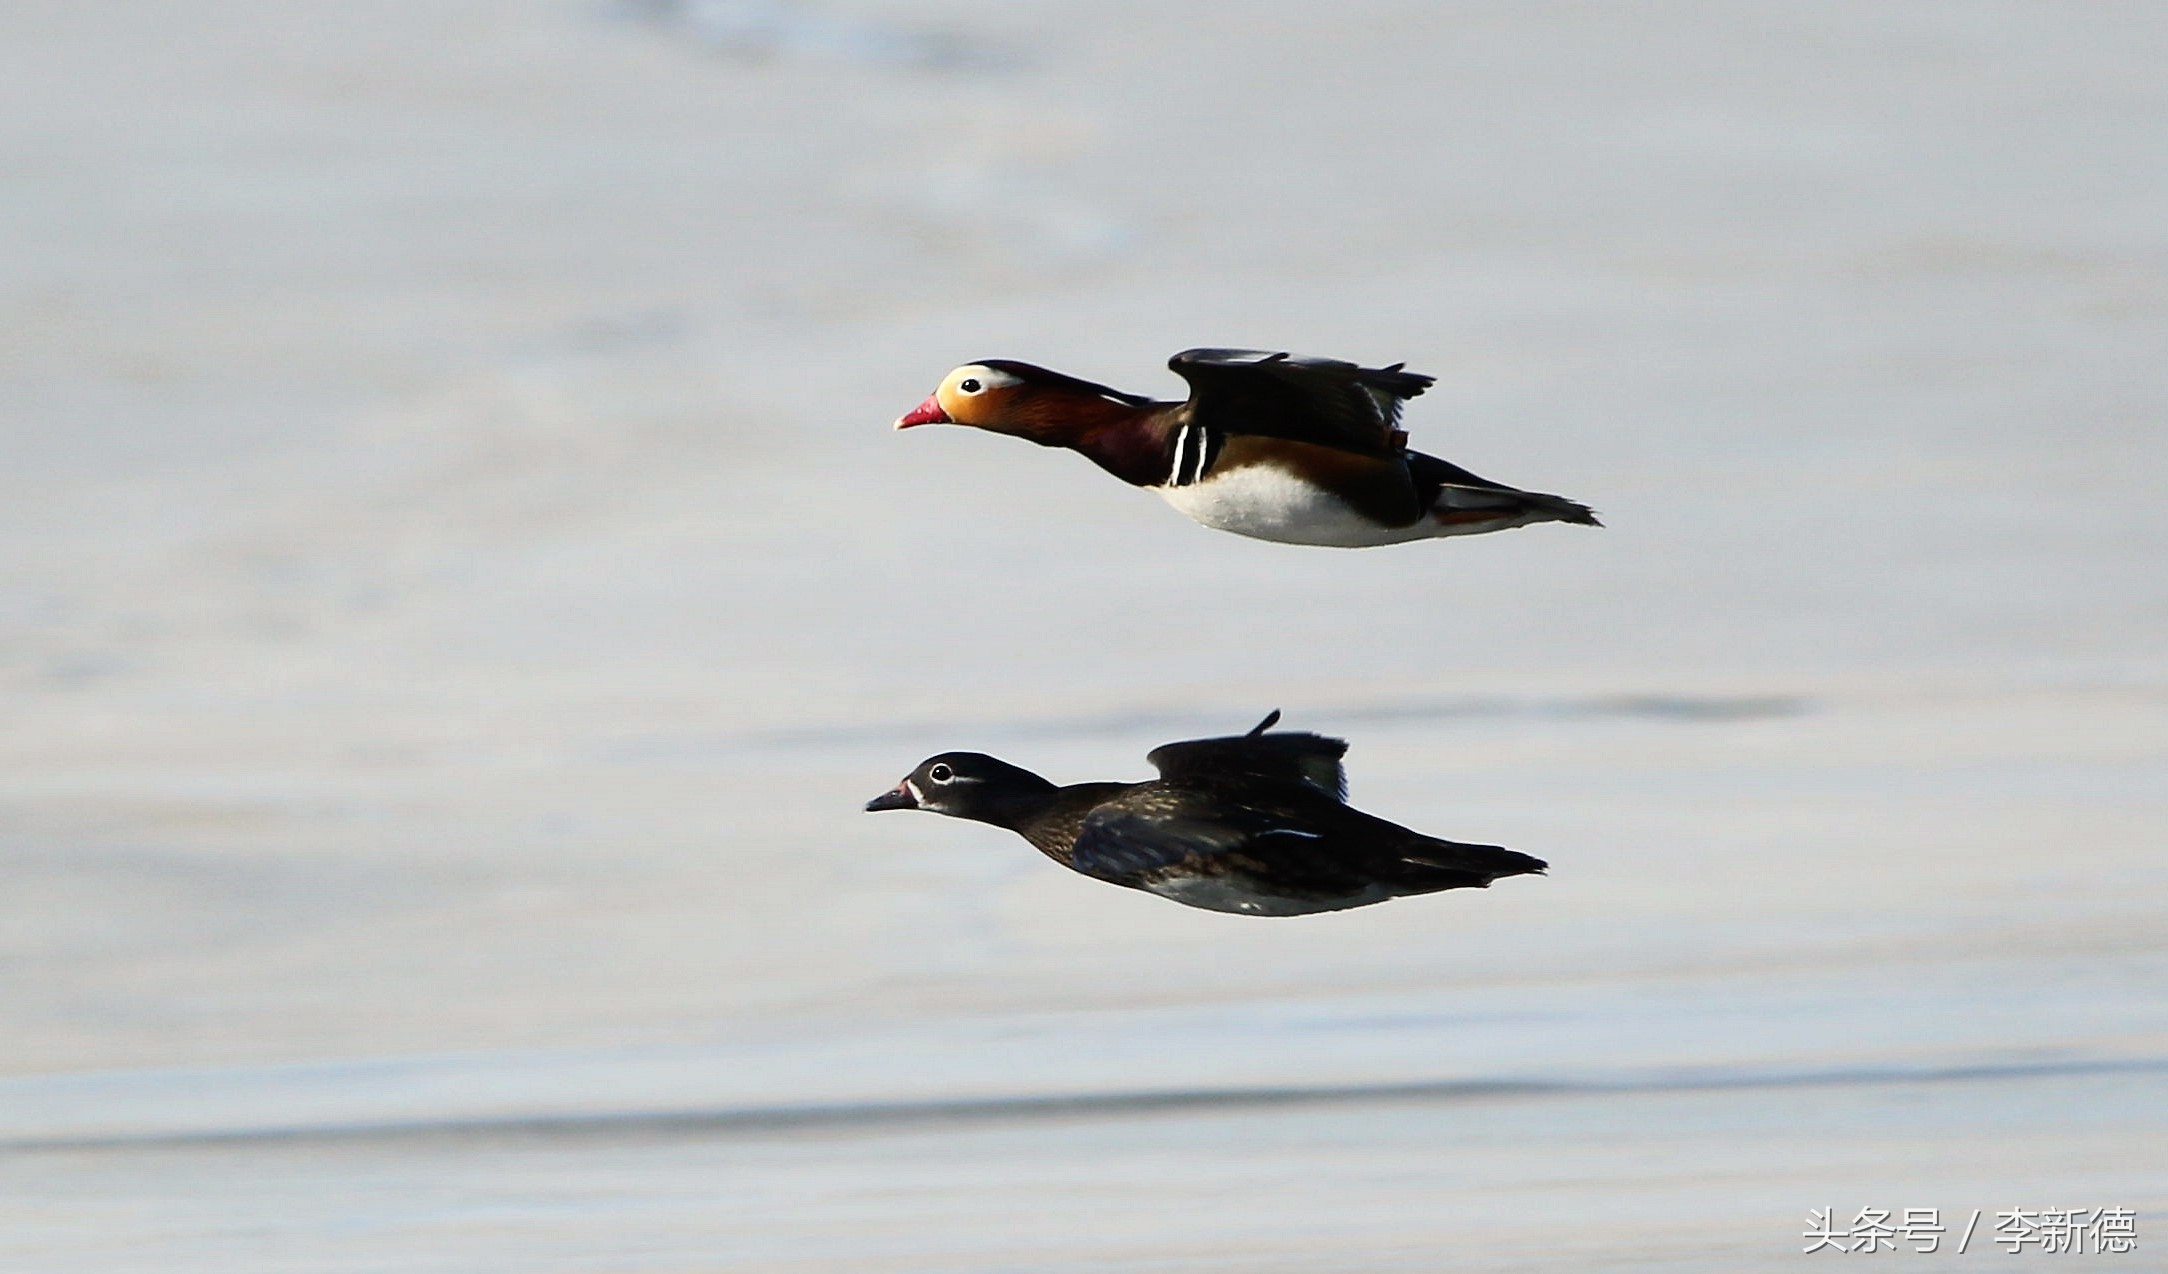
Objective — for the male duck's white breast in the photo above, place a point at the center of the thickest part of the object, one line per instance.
(1268, 502)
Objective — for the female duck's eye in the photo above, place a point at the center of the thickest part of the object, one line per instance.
(969, 384)
(940, 774)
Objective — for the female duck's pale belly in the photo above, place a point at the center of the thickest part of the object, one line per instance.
(1266, 502)
(1222, 893)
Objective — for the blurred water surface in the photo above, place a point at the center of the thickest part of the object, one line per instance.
(459, 588)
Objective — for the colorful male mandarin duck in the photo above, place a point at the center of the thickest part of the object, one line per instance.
(1272, 446)
(1257, 825)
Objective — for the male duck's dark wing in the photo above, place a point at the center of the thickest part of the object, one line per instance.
(1320, 400)
(1288, 757)
(1156, 828)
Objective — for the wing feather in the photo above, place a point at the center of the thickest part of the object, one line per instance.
(1159, 831)
(1289, 756)
(1327, 401)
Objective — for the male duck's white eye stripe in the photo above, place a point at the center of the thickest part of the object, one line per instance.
(987, 377)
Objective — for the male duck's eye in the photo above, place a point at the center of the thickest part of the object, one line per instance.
(969, 384)
(941, 773)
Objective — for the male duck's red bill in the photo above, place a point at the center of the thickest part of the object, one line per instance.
(1272, 446)
(926, 413)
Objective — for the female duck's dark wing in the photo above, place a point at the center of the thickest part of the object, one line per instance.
(1158, 829)
(1320, 400)
(1288, 757)
(1290, 842)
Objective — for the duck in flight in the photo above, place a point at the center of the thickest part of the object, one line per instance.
(1256, 824)
(1273, 446)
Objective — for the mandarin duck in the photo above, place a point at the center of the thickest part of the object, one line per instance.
(1256, 825)
(1273, 446)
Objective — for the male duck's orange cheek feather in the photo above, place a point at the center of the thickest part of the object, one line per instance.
(926, 413)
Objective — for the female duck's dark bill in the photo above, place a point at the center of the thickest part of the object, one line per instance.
(926, 413)
(900, 799)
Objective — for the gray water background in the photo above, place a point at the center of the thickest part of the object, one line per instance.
(459, 586)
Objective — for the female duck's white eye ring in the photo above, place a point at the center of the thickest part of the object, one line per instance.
(969, 385)
(940, 773)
